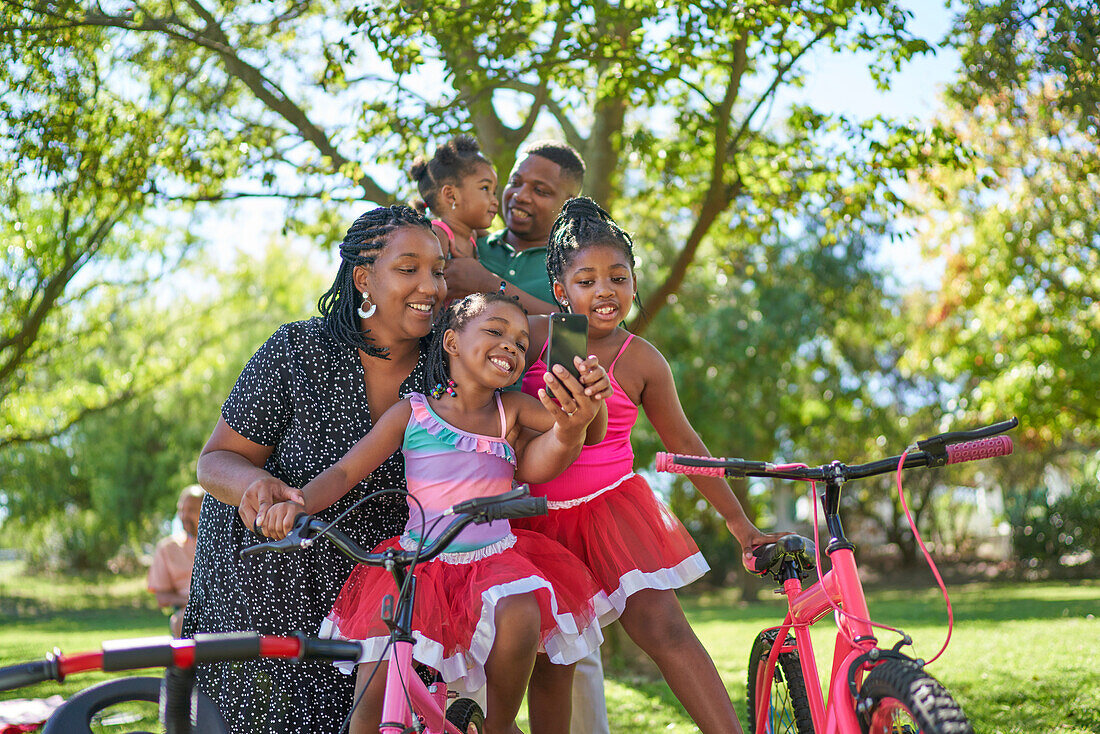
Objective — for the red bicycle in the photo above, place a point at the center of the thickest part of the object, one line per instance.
(412, 703)
(872, 689)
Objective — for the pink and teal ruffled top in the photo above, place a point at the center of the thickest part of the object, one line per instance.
(445, 465)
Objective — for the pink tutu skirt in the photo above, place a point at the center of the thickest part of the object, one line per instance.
(454, 623)
(629, 540)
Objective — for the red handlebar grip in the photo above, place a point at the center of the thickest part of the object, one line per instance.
(667, 462)
(983, 448)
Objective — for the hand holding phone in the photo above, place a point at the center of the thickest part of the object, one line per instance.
(568, 339)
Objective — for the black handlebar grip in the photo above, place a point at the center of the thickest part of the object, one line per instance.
(985, 448)
(322, 649)
(522, 507)
(27, 674)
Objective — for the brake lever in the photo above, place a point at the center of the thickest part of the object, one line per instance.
(294, 540)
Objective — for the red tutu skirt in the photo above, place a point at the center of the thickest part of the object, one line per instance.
(628, 539)
(454, 621)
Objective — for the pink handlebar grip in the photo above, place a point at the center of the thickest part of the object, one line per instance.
(667, 462)
(983, 448)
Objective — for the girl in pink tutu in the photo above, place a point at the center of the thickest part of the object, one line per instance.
(498, 596)
(599, 508)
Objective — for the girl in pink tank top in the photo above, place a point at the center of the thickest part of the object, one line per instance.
(459, 186)
(496, 586)
(599, 508)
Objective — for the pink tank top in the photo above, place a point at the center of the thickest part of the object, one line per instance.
(601, 465)
(450, 233)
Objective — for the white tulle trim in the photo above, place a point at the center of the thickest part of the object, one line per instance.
(566, 504)
(682, 574)
(465, 557)
(466, 670)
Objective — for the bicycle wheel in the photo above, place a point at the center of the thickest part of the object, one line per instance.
(75, 715)
(466, 715)
(898, 697)
(788, 704)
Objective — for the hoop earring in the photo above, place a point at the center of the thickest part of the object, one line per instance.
(368, 312)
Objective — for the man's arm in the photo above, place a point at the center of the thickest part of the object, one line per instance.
(465, 275)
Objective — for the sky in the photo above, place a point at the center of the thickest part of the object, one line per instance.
(841, 83)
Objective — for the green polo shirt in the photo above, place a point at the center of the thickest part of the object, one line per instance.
(525, 269)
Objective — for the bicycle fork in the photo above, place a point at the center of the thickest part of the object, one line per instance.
(408, 702)
(840, 586)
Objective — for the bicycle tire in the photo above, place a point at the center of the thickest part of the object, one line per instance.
(788, 687)
(75, 715)
(467, 716)
(899, 696)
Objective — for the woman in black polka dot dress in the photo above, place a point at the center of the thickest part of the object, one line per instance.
(308, 394)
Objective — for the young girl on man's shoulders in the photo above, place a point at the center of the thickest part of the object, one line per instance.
(459, 186)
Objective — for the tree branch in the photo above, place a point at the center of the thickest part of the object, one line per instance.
(715, 201)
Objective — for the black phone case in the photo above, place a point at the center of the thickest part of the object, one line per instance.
(568, 337)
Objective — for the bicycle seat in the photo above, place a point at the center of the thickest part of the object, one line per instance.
(770, 557)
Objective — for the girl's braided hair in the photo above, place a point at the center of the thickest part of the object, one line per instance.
(457, 316)
(582, 223)
(452, 162)
(364, 240)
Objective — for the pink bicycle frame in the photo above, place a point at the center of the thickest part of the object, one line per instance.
(429, 701)
(842, 585)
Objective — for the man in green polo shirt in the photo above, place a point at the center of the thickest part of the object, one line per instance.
(548, 175)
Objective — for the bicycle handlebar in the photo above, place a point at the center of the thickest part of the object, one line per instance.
(947, 448)
(514, 504)
(163, 652)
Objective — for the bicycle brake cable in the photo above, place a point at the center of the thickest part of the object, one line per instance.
(927, 558)
(837, 609)
(358, 699)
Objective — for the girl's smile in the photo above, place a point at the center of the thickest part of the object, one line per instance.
(492, 346)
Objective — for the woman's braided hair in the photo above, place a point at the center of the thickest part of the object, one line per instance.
(452, 162)
(364, 240)
(582, 223)
(436, 365)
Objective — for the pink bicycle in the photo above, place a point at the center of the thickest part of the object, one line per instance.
(416, 700)
(872, 689)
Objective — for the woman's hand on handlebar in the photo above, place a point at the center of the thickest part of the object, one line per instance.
(279, 519)
(261, 495)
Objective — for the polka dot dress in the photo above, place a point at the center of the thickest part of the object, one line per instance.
(302, 393)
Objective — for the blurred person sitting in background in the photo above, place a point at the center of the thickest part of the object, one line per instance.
(170, 575)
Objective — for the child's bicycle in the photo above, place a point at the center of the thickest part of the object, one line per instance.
(872, 689)
(411, 704)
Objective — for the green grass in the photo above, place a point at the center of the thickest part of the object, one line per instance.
(38, 614)
(1024, 657)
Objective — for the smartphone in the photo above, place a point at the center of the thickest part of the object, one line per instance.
(568, 338)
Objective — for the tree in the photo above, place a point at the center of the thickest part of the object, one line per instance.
(109, 481)
(669, 103)
(1015, 327)
(83, 151)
